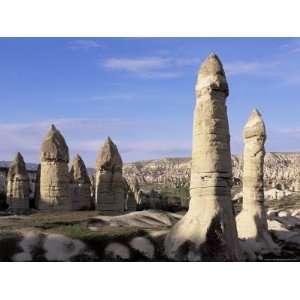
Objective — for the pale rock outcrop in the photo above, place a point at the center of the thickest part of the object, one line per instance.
(110, 185)
(18, 187)
(80, 188)
(54, 178)
(37, 187)
(136, 190)
(130, 202)
(208, 230)
(252, 221)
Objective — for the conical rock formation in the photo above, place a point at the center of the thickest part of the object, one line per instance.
(208, 230)
(18, 187)
(54, 178)
(252, 221)
(80, 185)
(110, 187)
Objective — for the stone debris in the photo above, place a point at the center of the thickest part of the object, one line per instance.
(117, 251)
(18, 187)
(110, 183)
(143, 219)
(80, 188)
(54, 178)
(208, 230)
(252, 221)
(144, 246)
(61, 248)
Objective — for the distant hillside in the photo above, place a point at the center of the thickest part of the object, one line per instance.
(279, 167)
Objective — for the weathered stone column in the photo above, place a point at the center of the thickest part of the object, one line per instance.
(18, 187)
(80, 185)
(37, 187)
(208, 230)
(54, 178)
(252, 221)
(110, 188)
(130, 203)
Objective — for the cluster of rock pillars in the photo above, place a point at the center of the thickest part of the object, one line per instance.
(209, 230)
(59, 188)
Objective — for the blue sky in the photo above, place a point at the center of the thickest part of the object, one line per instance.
(140, 92)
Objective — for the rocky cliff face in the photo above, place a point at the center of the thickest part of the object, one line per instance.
(280, 169)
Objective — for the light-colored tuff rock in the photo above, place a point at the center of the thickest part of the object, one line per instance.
(80, 188)
(130, 202)
(54, 178)
(136, 190)
(110, 183)
(252, 221)
(37, 191)
(208, 230)
(18, 187)
(281, 170)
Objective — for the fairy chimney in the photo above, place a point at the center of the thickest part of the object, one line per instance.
(54, 177)
(80, 188)
(208, 230)
(18, 187)
(110, 187)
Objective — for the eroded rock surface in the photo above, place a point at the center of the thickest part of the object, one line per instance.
(54, 178)
(80, 188)
(252, 221)
(18, 187)
(208, 230)
(110, 184)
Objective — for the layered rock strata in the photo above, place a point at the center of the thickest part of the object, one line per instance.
(54, 177)
(252, 221)
(208, 230)
(18, 186)
(110, 187)
(80, 188)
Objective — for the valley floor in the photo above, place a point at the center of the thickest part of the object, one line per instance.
(136, 236)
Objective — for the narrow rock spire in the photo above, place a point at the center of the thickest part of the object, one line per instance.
(252, 221)
(110, 186)
(54, 147)
(208, 230)
(54, 177)
(18, 187)
(80, 185)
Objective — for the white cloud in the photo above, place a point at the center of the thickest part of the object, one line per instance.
(147, 67)
(137, 64)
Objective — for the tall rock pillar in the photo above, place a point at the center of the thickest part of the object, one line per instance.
(208, 230)
(252, 221)
(110, 185)
(54, 177)
(18, 187)
(80, 185)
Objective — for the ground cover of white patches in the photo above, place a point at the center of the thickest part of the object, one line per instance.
(61, 248)
(117, 251)
(144, 246)
(285, 225)
(29, 241)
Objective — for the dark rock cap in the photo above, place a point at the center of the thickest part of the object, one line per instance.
(255, 126)
(17, 167)
(211, 75)
(109, 157)
(54, 147)
(78, 170)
